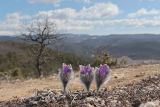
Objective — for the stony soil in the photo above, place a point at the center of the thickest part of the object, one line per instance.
(130, 95)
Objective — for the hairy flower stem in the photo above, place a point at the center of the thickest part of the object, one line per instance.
(97, 89)
(88, 87)
(64, 87)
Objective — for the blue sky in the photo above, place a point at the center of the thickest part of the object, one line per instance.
(84, 16)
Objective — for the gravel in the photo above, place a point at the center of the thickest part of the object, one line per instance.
(145, 93)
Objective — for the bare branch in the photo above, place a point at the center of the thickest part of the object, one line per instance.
(43, 33)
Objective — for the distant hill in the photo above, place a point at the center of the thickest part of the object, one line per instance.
(8, 38)
(135, 46)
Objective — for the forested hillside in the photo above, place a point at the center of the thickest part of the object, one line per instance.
(16, 60)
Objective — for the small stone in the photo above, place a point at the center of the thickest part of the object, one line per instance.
(33, 102)
(89, 105)
(115, 77)
(89, 99)
(114, 101)
(136, 103)
(151, 104)
(103, 102)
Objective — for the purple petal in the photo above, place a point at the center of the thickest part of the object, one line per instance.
(85, 69)
(103, 69)
(66, 68)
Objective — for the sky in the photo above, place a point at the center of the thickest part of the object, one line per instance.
(95, 17)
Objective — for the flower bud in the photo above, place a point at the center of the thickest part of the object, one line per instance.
(86, 75)
(65, 73)
(101, 75)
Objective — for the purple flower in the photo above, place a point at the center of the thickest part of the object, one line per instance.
(102, 74)
(66, 68)
(66, 74)
(103, 70)
(85, 69)
(86, 75)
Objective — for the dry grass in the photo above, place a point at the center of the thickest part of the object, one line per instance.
(120, 76)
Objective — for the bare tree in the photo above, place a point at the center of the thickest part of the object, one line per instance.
(41, 33)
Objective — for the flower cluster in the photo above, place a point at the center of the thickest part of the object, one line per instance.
(87, 74)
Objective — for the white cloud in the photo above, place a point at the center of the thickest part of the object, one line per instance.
(99, 11)
(69, 19)
(43, 1)
(66, 13)
(12, 23)
(144, 12)
(135, 22)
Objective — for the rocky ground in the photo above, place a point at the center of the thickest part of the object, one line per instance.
(145, 93)
(119, 77)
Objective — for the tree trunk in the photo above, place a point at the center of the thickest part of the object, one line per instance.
(38, 68)
(38, 60)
